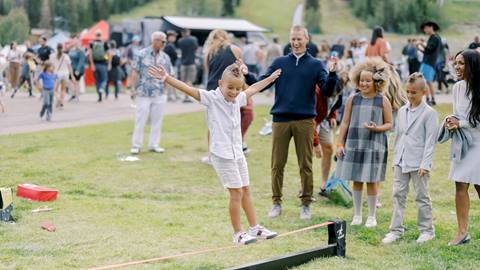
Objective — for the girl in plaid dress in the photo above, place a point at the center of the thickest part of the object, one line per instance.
(362, 141)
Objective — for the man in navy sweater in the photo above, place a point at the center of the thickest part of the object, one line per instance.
(294, 112)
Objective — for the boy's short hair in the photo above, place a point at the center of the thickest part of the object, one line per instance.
(46, 65)
(233, 70)
(417, 77)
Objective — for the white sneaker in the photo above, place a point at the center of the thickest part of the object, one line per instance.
(206, 160)
(357, 220)
(390, 238)
(158, 150)
(371, 222)
(135, 151)
(425, 237)
(261, 232)
(242, 238)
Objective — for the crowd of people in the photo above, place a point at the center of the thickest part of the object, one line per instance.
(315, 88)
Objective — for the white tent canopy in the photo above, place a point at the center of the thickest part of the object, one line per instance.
(228, 24)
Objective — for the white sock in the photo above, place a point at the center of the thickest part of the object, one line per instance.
(372, 205)
(357, 202)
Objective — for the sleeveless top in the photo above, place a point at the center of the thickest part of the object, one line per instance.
(217, 64)
(366, 151)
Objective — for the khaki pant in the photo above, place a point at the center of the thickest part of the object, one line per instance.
(14, 69)
(302, 133)
(401, 183)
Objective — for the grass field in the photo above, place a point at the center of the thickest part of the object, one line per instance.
(111, 212)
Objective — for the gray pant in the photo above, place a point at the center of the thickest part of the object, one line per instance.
(422, 199)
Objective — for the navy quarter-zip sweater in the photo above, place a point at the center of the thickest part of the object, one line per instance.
(295, 88)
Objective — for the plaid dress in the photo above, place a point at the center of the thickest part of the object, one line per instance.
(365, 158)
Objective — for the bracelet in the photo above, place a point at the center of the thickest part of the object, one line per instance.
(340, 145)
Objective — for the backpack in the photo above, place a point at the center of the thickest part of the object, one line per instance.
(338, 191)
(6, 205)
(98, 51)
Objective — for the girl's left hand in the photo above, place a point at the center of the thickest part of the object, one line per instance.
(372, 126)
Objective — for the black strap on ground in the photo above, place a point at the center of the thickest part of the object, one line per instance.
(336, 247)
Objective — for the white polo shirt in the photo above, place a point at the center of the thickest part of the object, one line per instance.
(223, 120)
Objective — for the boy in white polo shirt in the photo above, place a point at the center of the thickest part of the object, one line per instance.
(223, 118)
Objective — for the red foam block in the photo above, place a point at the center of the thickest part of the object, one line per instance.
(36, 193)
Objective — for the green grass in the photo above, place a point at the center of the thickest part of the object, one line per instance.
(154, 8)
(269, 14)
(111, 212)
(463, 11)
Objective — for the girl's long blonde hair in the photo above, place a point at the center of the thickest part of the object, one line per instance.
(379, 69)
(395, 93)
(216, 40)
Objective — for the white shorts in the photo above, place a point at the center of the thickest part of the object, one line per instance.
(232, 173)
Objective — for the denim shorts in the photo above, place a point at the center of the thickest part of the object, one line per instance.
(428, 72)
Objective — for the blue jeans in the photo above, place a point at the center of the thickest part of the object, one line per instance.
(47, 103)
(117, 85)
(101, 78)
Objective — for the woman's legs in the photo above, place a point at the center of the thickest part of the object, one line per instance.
(234, 208)
(462, 205)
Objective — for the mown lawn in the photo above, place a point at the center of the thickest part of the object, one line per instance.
(111, 212)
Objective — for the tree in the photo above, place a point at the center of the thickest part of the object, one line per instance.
(14, 27)
(46, 18)
(313, 16)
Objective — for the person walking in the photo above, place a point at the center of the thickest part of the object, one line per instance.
(171, 51)
(78, 58)
(63, 69)
(115, 73)
(100, 62)
(14, 58)
(150, 92)
(188, 45)
(430, 56)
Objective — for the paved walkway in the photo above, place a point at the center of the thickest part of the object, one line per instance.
(23, 112)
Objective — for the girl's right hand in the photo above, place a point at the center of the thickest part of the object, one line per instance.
(340, 152)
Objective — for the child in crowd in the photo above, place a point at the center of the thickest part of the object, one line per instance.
(362, 142)
(47, 82)
(223, 118)
(413, 152)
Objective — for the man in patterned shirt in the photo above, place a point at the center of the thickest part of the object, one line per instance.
(150, 92)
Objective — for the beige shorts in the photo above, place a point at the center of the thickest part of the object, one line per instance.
(188, 73)
(232, 173)
(325, 135)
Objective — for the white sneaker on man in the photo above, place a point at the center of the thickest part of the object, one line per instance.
(425, 237)
(357, 220)
(243, 238)
(135, 151)
(261, 232)
(158, 150)
(371, 222)
(390, 238)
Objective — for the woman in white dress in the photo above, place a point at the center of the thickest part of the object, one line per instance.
(466, 106)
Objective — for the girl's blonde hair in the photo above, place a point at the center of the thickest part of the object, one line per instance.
(395, 93)
(216, 40)
(378, 68)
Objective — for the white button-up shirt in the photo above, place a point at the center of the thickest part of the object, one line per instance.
(223, 120)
